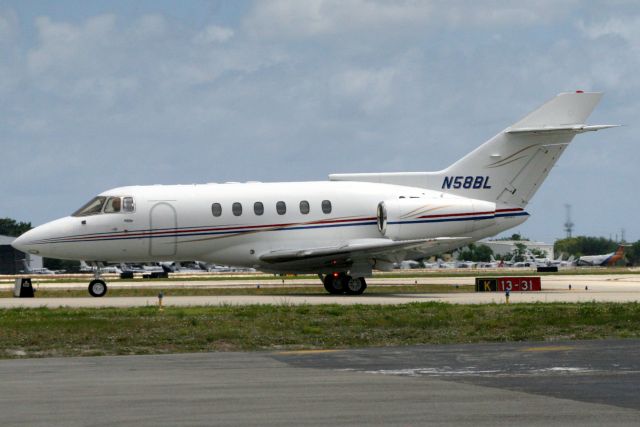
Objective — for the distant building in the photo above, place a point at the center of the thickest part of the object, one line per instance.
(11, 260)
(506, 247)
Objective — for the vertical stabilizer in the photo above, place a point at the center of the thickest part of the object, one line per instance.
(510, 167)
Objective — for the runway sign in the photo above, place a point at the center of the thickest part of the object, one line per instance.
(513, 284)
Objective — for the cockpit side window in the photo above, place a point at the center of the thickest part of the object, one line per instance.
(113, 205)
(93, 207)
(128, 205)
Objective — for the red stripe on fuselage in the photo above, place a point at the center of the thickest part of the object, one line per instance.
(473, 213)
(458, 214)
(208, 229)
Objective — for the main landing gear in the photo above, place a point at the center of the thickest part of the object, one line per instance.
(97, 287)
(341, 283)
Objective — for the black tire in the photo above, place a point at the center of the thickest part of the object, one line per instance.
(333, 285)
(354, 285)
(97, 288)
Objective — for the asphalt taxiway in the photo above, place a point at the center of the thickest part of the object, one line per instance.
(543, 384)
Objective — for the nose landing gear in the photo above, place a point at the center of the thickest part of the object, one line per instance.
(97, 287)
(342, 283)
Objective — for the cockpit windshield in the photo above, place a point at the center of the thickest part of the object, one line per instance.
(92, 208)
(113, 204)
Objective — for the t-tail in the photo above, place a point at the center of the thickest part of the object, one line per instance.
(510, 167)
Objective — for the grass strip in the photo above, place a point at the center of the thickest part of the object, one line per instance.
(46, 332)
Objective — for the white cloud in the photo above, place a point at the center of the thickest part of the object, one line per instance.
(103, 63)
(8, 26)
(371, 89)
(316, 17)
(293, 18)
(63, 45)
(10, 55)
(150, 26)
(499, 14)
(213, 34)
(614, 51)
(626, 27)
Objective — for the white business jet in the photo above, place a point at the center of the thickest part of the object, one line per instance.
(341, 229)
(606, 260)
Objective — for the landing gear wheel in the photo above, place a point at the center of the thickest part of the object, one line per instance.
(355, 285)
(97, 288)
(333, 285)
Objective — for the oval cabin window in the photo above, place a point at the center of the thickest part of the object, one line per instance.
(326, 206)
(258, 208)
(216, 209)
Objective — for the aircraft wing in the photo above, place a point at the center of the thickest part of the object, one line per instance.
(360, 253)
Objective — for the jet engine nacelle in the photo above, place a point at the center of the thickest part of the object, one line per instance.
(423, 218)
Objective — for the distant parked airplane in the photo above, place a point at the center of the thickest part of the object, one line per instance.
(491, 264)
(408, 264)
(538, 262)
(602, 260)
(86, 268)
(466, 264)
(559, 262)
(177, 267)
(445, 264)
(144, 269)
(42, 270)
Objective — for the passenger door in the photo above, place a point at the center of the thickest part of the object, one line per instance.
(163, 222)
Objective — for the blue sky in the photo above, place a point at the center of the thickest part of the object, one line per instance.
(101, 94)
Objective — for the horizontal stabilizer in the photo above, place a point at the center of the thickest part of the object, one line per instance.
(559, 129)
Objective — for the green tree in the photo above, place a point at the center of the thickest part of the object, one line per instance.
(476, 253)
(10, 227)
(515, 237)
(632, 253)
(585, 245)
(539, 253)
(519, 252)
(61, 264)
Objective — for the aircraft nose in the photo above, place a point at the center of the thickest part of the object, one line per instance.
(24, 243)
(19, 243)
(38, 241)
